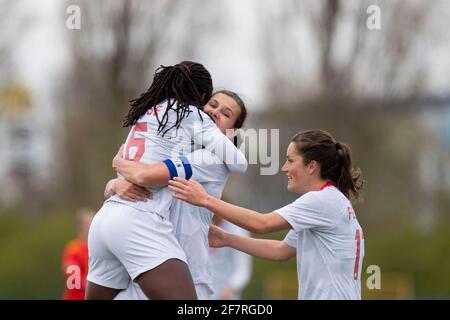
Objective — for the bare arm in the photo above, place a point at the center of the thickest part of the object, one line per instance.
(193, 193)
(142, 174)
(109, 189)
(126, 190)
(262, 248)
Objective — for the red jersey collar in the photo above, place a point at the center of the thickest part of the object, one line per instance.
(329, 183)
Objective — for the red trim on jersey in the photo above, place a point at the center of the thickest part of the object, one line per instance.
(329, 183)
(358, 252)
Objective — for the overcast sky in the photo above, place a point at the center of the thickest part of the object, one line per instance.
(41, 51)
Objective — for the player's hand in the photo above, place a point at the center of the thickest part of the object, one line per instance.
(189, 191)
(118, 159)
(217, 238)
(131, 192)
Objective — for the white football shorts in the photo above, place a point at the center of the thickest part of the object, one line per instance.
(125, 242)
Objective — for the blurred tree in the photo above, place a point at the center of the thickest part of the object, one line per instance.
(113, 57)
(5, 43)
(16, 104)
(13, 21)
(326, 69)
(325, 47)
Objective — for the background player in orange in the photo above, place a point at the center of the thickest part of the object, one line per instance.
(75, 258)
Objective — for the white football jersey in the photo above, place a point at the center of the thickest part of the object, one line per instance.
(329, 242)
(145, 144)
(191, 223)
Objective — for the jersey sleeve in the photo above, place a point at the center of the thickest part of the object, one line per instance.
(306, 213)
(207, 134)
(200, 165)
(291, 239)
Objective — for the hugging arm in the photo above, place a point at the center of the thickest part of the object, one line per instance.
(126, 190)
(138, 176)
(200, 164)
(142, 174)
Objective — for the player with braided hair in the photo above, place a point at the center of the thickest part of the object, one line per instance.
(186, 83)
(134, 241)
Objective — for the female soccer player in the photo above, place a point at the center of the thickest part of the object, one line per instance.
(134, 240)
(190, 223)
(325, 235)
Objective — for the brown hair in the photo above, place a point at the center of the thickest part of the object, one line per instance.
(243, 115)
(334, 158)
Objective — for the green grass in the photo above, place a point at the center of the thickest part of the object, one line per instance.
(31, 249)
(31, 252)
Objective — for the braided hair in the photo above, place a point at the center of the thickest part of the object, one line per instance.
(186, 83)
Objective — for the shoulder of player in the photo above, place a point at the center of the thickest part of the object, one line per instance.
(197, 114)
(309, 197)
(334, 202)
(330, 196)
(198, 110)
(208, 161)
(330, 192)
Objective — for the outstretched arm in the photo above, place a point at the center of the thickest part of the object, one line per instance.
(262, 248)
(194, 193)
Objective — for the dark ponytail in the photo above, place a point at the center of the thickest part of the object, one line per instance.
(334, 158)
